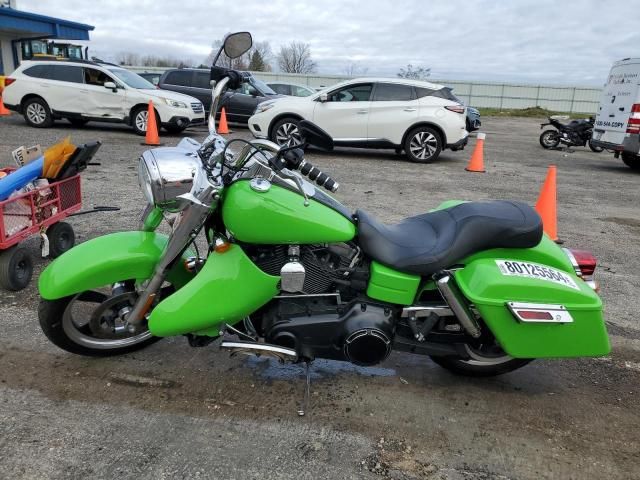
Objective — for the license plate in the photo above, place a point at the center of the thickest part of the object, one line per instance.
(537, 271)
(597, 135)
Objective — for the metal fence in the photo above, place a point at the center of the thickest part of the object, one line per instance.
(502, 96)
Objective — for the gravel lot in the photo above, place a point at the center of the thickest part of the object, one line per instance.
(171, 411)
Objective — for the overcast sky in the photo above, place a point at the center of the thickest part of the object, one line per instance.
(541, 41)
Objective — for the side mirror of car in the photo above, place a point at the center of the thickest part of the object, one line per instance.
(111, 86)
(323, 97)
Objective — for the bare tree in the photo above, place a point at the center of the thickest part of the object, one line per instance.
(296, 58)
(414, 73)
(354, 69)
(128, 58)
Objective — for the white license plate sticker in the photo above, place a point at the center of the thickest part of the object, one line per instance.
(537, 271)
(598, 135)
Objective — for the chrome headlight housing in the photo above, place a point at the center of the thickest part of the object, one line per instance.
(264, 106)
(166, 173)
(175, 103)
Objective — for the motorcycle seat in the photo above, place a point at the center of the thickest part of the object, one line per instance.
(427, 243)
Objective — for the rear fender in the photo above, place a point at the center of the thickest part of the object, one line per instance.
(489, 290)
(106, 260)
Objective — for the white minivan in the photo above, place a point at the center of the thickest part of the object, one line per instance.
(617, 124)
(82, 91)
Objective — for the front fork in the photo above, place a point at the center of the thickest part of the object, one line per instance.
(189, 224)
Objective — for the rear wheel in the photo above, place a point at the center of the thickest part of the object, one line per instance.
(423, 145)
(91, 323)
(594, 148)
(550, 139)
(37, 113)
(631, 160)
(485, 360)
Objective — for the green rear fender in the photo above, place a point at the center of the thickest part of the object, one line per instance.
(106, 260)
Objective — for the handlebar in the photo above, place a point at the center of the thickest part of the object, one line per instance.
(294, 160)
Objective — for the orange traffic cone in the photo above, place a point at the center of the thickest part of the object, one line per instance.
(3, 110)
(546, 205)
(223, 128)
(151, 138)
(476, 163)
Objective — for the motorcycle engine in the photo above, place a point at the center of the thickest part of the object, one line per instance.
(324, 265)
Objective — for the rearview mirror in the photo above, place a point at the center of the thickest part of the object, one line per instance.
(323, 97)
(111, 86)
(314, 135)
(237, 44)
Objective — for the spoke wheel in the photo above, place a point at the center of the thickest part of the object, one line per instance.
(423, 145)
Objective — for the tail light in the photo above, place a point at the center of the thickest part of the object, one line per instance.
(633, 126)
(8, 81)
(455, 108)
(584, 263)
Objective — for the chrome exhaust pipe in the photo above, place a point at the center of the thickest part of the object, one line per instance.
(457, 302)
(281, 354)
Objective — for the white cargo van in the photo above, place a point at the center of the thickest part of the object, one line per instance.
(617, 124)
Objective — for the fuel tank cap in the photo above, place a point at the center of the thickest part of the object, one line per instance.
(260, 185)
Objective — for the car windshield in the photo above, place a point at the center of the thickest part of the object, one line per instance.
(261, 86)
(132, 79)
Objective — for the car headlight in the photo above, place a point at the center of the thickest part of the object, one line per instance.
(264, 106)
(175, 103)
(166, 174)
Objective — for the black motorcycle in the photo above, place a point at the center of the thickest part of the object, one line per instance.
(576, 133)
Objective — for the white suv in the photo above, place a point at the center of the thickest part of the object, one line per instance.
(83, 91)
(420, 118)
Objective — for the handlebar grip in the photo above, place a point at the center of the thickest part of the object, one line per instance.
(321, 179)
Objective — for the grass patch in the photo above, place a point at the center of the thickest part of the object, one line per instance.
(533, 112)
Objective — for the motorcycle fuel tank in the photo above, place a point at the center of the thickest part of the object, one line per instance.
(273, 215)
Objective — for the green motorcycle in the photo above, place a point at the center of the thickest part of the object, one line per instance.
(292, 274)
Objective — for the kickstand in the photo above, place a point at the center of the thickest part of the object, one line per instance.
(305, 401)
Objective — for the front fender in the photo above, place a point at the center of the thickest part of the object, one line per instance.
(106, 260)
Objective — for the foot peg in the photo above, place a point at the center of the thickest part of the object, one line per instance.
(281, 354)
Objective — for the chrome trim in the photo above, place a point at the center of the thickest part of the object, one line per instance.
(574, 262)
(457, 302)
(260, 185)
(292, 276)
(418, 312)
(310, 295)
(215, 99)
(558, 312)
(260, 349)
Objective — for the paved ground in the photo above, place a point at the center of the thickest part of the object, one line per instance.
(175, 412)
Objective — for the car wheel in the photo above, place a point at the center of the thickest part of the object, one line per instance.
(37, 113)
(139, 120)
(286, 133)
(549, 139)
(423, 145)
(631, 160)
(469, 127)
(78, 122)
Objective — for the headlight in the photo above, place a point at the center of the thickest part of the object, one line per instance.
(264, 106)
(175, 103)
(166, 173)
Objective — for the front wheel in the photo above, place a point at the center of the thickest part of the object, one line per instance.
(594, 148)
(286, 133)
(90, 323)
(423, 145)
(139, 120)
(484, 361)
(550, 139)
